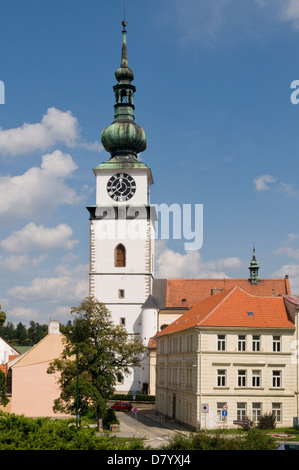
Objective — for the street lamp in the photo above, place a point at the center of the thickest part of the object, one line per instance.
(77, 387)
(77, 384)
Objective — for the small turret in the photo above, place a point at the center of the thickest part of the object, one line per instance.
(253, 269)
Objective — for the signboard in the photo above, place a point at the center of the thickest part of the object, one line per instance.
(243, 422)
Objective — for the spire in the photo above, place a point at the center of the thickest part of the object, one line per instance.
(123, 139)
(253, 269)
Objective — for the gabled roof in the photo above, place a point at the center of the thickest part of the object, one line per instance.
(46, 350)
(185, 293)
(234, 308)
(9, 345)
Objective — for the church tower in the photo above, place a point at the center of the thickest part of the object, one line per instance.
(122, 220)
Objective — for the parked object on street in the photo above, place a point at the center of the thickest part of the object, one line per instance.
(121, 406)
(288, 446)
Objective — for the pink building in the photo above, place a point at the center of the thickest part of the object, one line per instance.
(33, 389)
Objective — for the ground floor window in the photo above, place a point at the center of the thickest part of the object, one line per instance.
(221, 416)
(256, 411)
(276, 410)
(241, 411)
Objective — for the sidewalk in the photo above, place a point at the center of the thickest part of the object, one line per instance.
(126, 430)
(167, 422)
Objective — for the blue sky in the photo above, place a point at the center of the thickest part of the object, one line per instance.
(213, 95)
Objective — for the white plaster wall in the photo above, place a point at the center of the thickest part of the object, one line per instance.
(140, 177)
(5, 351)
(109, 233)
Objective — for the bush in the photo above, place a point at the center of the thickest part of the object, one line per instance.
(253, 440)
(109, 418)
(267, 421)
(21, 433)
(257, 440)
(138, 397)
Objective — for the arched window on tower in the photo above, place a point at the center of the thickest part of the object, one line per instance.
(120, 256)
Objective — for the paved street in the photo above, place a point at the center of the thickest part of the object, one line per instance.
(145, 423)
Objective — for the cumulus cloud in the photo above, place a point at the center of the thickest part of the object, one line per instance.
(23, 314)
(55, 127)
(38, 189)
(70, 285)
(170, 264)
(16, 263)
(34, 236)
(288, 250)
(262, 182)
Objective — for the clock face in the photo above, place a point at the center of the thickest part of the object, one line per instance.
(121, 187)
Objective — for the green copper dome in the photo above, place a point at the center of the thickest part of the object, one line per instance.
(124, 138)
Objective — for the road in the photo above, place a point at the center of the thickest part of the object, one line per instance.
(144, 424)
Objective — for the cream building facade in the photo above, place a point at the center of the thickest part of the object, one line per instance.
(230, 358)
(33, 389)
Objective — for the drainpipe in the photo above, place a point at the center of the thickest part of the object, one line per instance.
(199, 372)
(297, 361)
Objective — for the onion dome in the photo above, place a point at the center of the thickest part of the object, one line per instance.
(124, 139)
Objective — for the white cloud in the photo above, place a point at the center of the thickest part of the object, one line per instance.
(34, 236)
(39, 189)
(55, 127)
(23, 314)
(18, 262)
(292, 270)
(289, 189)
(286, 249)
(70, 285)
(170, 264)
(261, 182)
(290, 11)
(199, 22)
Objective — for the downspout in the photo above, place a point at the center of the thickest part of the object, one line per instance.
(297, 361)
(199, 372)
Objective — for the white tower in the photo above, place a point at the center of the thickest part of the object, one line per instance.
(122, 221)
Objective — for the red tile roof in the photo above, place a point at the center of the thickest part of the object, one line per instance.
(230, 309)
(188, 292)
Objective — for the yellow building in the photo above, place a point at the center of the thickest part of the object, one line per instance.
(229, 358)
(33, 389)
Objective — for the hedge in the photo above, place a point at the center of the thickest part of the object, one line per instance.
(138, 397)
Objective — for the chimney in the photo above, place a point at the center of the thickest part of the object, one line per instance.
(53, 328)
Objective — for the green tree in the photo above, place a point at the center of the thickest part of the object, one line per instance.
(2, 317)
(96, 350)
(21, 333)
(3, 397)
(36, 332)
(8, 331)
